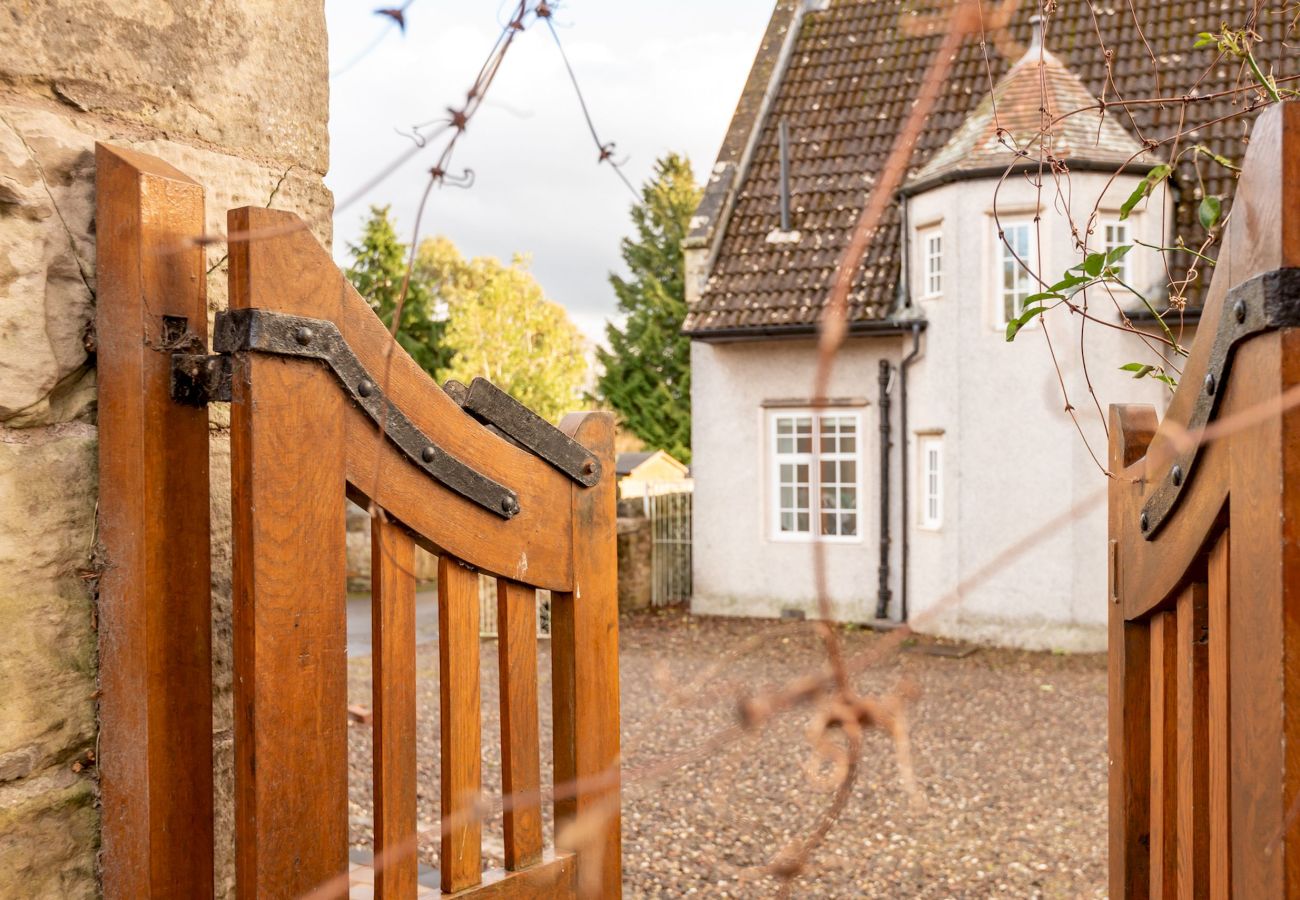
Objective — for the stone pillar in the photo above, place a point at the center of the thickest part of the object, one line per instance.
(235, 94)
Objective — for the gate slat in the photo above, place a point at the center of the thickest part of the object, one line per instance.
(520, 746)
(1220, 765)
(461, 725)
(393, 678)
(1193, 786)
(289, 611)
(1164, 755)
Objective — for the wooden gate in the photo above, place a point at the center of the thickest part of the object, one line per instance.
(323, 404)
(1205, 575)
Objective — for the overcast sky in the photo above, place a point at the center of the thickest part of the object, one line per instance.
(658, 76)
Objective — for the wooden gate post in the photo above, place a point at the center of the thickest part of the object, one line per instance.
(155, 709)
(584, 665)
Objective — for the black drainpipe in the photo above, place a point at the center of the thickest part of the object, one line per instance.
(882, 597)
(907, 522)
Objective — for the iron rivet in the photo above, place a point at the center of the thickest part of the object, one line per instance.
(1210, 384)
(366, 387)
(1145, 522)
(589, 467)
(1176, 475)
(1239, 310)
(509, 505)
(303, 335)
(428, 454)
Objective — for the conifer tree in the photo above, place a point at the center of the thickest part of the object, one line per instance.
(378, 267)
(647, 374)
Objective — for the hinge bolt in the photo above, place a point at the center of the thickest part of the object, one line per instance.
(429, 454)
(1210, 384)
(1144, 522)
(589, 467)
(366, 387)
(1176, 475)
(509, 505)
(303, 335)
(1239, 310)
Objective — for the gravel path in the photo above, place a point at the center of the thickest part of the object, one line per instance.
(1009, 751)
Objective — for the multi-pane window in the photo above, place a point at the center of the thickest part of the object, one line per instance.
(816, 497)
(1016, 282)
(933, 263)
(1115, 234)
(793, 460)
(931, 448)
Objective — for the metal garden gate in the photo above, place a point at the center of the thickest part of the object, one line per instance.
(324, 403)
(1205, 575)
(669, 513)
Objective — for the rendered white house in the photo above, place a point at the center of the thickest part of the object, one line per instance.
(952, 489)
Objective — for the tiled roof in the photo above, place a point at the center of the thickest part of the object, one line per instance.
(854, 69)
(1010, 121)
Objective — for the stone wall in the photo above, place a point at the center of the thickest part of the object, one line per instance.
(235, 94)
(634, 563)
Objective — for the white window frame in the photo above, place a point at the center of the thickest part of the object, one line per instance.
(1110, 228)
(814, 509)
(930, 475)
(931, 240)
(1026, 284)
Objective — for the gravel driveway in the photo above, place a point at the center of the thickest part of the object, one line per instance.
(1009, 751)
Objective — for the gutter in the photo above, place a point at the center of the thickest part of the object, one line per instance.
(886, 379)
(997, 171)
(879, 327)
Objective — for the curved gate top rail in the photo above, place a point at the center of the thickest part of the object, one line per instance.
(323, 404)
(1205, 575)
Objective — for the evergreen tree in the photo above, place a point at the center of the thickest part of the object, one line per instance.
(378, 267)
(501, 326)
(647, 374)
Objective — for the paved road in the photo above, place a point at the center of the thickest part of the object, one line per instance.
(426, 621)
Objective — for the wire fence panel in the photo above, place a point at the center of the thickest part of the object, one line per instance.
(670, 514)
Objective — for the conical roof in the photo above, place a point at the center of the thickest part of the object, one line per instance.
(1010, 122)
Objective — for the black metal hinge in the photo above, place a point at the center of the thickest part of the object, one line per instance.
(261, 331)
(492, 406)
(1265, 303)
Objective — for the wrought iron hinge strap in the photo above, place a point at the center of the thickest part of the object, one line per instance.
(492, 406)
(262, 331)
(1265, 303)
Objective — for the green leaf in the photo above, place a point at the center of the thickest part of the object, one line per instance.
(1166, 379)
(1117, 253)
(1140, 370)
(1068, 282)
(1205, 39)
(1210, 210)
(1154, 177)
(1045, 295)
(1020, 321)
(1093, 263)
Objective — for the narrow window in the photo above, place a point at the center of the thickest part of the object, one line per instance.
(931, 470)
(823, 501)
(793, 464)
(933, 263)
(1014, 250)
(1115, 234)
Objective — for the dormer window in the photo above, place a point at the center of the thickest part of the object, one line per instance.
(1015, 247)
(932, 254)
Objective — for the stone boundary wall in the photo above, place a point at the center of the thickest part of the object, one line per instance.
(235, 94)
